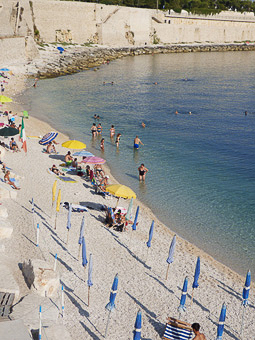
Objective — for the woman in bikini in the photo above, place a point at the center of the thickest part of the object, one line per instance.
(118, 139)
(112, 131)
(142, 172)
(99, 129)
(102, 144)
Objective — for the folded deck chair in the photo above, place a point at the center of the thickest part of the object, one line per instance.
(177, 330)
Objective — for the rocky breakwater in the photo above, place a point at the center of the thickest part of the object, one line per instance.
(80, 58)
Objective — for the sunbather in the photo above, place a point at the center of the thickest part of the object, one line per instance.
(50, 148)
(68, 158)
(13, 145)
(99, 171)
(104, 183)
(56, 170)
(8, 181)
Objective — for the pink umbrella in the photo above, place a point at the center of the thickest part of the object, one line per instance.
(94, 160)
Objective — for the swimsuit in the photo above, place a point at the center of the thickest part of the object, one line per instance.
(141, 172)
(94, 131)
(99, 129)
(136, 146)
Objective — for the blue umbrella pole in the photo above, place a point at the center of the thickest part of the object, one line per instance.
(88, 294)
(241, 332)
(79, 252)
(67, 239)
(107, 324)
(192, 296)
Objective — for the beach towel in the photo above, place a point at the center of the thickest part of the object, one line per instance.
(67, 179)
(75, 207)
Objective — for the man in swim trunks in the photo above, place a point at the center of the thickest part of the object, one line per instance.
(142, 172)
(68, 158)
(137, 141)
(198, 335)
(94, 130)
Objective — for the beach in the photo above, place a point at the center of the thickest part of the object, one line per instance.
(142, 272)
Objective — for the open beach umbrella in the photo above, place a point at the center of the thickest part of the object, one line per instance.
(68, 226)
(81, 235)
(196, 277)
(84, 254)
(182, 307)
(129, 211)
(4, 69)
(120, 190)
(83, 153)
(111, 304)
(49, 137)
(4, 99)
(246, 291)
(93, 160)
(61, 49)
(136, 218)
(89, 282)
(150, 234)
(170, 258)
(138, 326)
(220, 328)
(74, 144)
(8, 131)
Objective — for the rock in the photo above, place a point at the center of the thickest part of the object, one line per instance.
(5, 229)
(40, 277)
(31, 303)
(57, 332)
(14, 330)
(7, 282)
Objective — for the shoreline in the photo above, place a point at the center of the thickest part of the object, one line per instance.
(223, 283)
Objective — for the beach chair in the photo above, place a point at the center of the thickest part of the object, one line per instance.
(25, 114)
(177, 330)
(6, 301)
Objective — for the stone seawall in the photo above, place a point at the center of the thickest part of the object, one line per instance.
(93, 58)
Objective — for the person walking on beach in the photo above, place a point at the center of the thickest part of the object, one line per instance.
(118, 139)
(198, 335)
(94, 130)
(112, 131)
(137, 141)
(142, 172)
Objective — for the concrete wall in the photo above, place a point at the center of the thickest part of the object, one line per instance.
(12, 49)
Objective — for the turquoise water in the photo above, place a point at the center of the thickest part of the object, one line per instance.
(201, 176)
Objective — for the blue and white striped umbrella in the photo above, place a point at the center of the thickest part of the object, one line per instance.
(138, 326)
(49, 137)
(220, 328)
(83, 153)
(150, 234)
(82, 230)
(170, 258)
(111, 305)
(182, 307)
(246, 289)
(136, 217)
(69, 217)
(89, 282)
(196, 275)
(84, 254)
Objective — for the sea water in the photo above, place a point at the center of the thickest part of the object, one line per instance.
(201, 179)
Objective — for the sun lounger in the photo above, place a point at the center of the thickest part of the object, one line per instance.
(177, 330)
(6, 301)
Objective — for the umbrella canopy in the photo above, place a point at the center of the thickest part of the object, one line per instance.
(61, 49)
(182, 307)
(83, 153)
(138, 326)
(69, 217)
(196, 275)
(220, 328)
(246, 289)
(94, 160)
(4, 69)
(136, 217)
(74, 144)
(150, 234)
(4, 99)
(120, 190)
(89, 282)
(84, 255)
(170, 258)
(111, 305)
(81, 230)
(8, 131)
(49, 137)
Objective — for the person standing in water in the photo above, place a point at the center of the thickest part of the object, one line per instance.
(142, 172)
(102, 144)
(112, 131)
(137, 141)
(94, 130)
(118, 139)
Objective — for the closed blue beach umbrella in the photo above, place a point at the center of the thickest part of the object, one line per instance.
(84, 254)
(196, 277)
(111, 304)
(136, 217)
(182, 307)
(150, 234)
(220, 328)
(81, 235)
(69, 217)
(170, 258)
(89, 282)
(246, 289)
(138, 326)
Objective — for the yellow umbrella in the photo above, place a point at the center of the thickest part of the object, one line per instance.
(4, 99)
(57, 207)
(74, 144)
(54, 188)
(120, 190)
